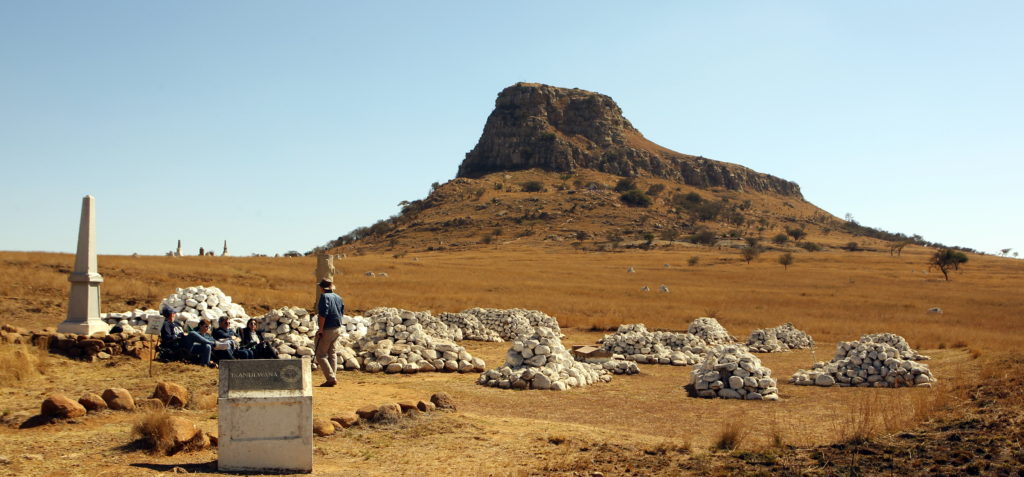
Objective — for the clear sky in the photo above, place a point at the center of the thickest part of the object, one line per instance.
(281, 125)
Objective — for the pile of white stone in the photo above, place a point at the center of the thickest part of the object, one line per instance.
(131, 322)
(539, 361)
(472, 328)
(635, 343)
(617, 365)
(711, 331)
(866, 364)
(511, 323)
(290, 331)
(396, 342)
(194, 303)
(781, 338)
(896, 341)
(730, 371)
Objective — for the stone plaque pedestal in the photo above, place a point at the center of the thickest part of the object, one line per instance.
(265, 416)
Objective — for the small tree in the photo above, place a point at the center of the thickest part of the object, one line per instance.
(625, 184)
(780, 239)
(786, 260)
(692, 260)
(1005, 251)
(655, 189)
(946, 260)
(532, 186)
(750, 253)
(703, 236)
(796, 233)
(897, 248)
(753, 241)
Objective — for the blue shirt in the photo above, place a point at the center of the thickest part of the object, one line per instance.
(331, 307)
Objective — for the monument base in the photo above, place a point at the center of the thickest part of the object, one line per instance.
(87, 328)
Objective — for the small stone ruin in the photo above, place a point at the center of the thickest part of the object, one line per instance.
(635, 343)
(866, 363)
(538, 360)
(711, 331)
(732, 372)
(781, 338)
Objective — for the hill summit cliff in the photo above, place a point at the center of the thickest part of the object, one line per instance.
(562, 130)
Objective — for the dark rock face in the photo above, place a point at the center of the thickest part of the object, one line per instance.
(560, 129)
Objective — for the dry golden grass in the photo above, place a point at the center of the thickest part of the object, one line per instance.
(20, 364)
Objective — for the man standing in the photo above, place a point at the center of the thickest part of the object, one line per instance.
(329, 309)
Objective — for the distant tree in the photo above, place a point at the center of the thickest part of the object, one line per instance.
(434, 186)
(852, 246)
(780, 239)
(581, 235)
(1005, 251)
(635, 198)
(625, 184)
(669, 234)
(786, 260)
(292, 253)
(753, 241)
(809, 246)
(796, 232)
(692, 260)
(1015, 254)
(897, 247)
(750, 253)
(707, 211)
(946, 260)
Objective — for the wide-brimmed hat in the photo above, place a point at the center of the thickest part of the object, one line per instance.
(326, 284)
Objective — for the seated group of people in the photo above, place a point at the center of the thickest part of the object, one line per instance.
(202, 347)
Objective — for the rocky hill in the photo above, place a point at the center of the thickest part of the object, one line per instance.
(564, 130)
(564, 167)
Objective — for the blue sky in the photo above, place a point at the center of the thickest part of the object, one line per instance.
(281, 125)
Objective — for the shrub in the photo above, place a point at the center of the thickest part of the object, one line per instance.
(946, 260)
(731, 435)
(852, 246)
(625, 184)
(669, 234)
(780, 239)
(703, 236)
(635, 198)
(692, 260)
(532, 186)
(655, 189)
(752, 241)
(809, 246)
(707, 211)
(796, 233)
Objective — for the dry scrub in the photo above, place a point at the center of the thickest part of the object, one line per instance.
(21, 363)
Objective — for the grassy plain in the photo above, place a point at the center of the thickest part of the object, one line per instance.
(834, 295)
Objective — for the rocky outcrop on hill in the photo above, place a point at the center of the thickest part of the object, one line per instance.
(559, 129)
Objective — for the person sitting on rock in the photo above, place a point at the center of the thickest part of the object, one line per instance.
(171, 334)
(199, 344)
(251, 341)
(224, 332)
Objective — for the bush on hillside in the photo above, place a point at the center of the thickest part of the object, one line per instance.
(635, 198)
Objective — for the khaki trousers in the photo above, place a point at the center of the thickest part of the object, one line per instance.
(327, 353)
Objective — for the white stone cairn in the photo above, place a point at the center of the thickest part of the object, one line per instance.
(538, 360)
(83, 316)
(778, 339)
(710, 330)
(290, 331)
(866, 364)
(618, 365)
(471, 327)
(195, 303)
(896, 341)
(396, 342)
(730, 371)
(635, 343)
(511, 323)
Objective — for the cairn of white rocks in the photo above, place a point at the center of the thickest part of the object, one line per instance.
(194, 303)
(617, 365)
(290, 331)
(131, 322)
(898, 342)
(472, 328)
(191, 304)
(781, 338)
(539, 361)
(397, 343)
(711, 331)
(635, 343)
(730, 371)
(866, 364)
(511, 323)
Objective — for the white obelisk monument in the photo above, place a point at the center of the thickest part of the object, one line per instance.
(84, 302)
